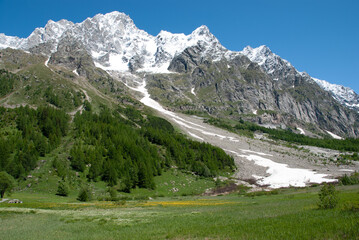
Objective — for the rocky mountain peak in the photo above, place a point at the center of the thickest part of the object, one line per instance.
(260, 55)
(202, 33)
(202, 30)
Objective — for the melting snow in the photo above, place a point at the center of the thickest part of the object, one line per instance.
(195, 136)
(47, 62)
(334, 135)
(301, 131)
(283, 176)
(192, 91)
(75, 71)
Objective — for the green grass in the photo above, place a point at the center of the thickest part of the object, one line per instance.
(176, 183)
(292, 214)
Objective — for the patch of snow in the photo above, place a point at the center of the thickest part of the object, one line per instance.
(258, 153)
(334, 135)
(47, 62)
(232, 139)
(301, 131)
(75, 71)
(346, 170)
(117, 63)
(283, 176)
(192, 91)
(195, 136)
(255, 112)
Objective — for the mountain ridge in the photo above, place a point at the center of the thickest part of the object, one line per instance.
(115, 44)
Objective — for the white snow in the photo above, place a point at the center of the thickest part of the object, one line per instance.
(344, 95)
(75, 71)
(259, 153)
(283, 176)
(47, 62)
(195, 136)
(192, 91)
(301, 131)
(115, 63)
(255, 112)
(334, 135)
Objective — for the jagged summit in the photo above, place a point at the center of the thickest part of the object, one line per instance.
(202, 31)
(344, 95)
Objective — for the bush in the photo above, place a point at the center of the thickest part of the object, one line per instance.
(350, 180)
(84, 195)
(113, 194)
(328, 197)
(62, 189)
(7, 182)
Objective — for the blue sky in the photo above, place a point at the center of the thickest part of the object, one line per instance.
(320, 37)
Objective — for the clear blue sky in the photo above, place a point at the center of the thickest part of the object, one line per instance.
(320, 37)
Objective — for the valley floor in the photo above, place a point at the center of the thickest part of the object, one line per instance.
(291, 214)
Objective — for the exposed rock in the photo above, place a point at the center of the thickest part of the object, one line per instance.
(15, 201)
(240, 87)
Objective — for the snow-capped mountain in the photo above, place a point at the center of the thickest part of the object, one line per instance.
(281, 69)
(269, 61)
(344, 95)
(51, 32)
(115, 43)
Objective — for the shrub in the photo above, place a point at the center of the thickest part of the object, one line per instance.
(113, 194)
(350, 180)
(328, 197)
(62, 189)
(7, 182)
(84, 195)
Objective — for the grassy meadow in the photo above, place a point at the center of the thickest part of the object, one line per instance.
(290, 214)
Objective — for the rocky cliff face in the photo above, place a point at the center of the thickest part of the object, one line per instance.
(239, 88)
